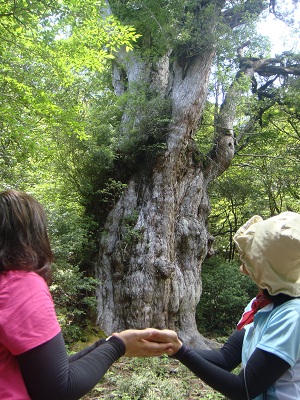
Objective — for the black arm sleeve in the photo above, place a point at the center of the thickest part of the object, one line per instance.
(50, 374)
(229, 356)
(261, 371)
(85, 351)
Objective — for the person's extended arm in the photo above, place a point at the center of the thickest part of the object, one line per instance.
(213, 366)
(86, 350)
(229, 355)
(262, 370)
(50, 374)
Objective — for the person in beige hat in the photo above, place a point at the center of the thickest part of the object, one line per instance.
(267, 339)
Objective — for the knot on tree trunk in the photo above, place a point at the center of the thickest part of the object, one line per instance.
(164, 267)
(220, 157)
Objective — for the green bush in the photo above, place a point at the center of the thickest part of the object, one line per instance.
(74, 298)
(73, 287)
(225, 293)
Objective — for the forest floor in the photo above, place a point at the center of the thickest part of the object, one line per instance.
(157, 378)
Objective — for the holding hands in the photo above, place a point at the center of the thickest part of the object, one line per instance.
(167, 336)
(149, 342)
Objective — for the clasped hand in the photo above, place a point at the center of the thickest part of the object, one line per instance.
(149, 342)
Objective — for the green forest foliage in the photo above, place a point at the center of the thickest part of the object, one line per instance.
(54, 56)
(60, 137)
(225, 294)
(264, 176)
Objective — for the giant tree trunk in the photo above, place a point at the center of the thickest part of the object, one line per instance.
(155, 281)
(155, 238)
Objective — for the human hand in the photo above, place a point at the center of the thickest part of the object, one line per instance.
(166, 336)
(143, 343)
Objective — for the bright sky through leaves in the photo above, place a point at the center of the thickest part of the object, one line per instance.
(282, 37)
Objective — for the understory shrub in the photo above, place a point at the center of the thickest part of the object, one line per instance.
(225, 293)
(74, 298)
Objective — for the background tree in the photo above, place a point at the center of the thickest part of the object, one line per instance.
(263, 178)
(47, 47)
(155, 237)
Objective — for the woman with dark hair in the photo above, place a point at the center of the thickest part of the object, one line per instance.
(33, 360)
(24, 242)
(267, 339)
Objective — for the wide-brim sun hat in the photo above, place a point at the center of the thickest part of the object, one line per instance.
(270, 251)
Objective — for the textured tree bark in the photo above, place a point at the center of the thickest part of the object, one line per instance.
(155, 239)
(156, 280)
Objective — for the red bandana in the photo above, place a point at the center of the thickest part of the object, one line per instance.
(260, 301)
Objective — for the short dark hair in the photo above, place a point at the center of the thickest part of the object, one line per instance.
(24, 241)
